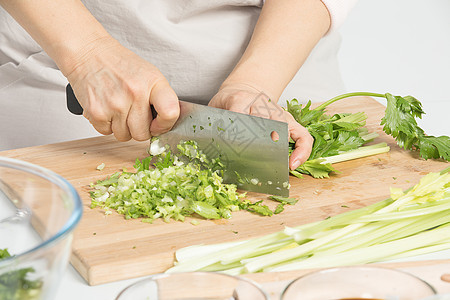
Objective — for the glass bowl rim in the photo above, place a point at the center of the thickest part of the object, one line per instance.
(62, 183)
(312, 273)
(162, 275)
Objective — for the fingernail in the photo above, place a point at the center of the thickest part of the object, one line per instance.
(295, 164)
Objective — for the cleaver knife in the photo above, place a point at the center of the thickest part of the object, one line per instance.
(252, 159)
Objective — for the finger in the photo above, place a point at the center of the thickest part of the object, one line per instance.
(120, 128)
(166, 104)
(139, 119)
(303, 143)
(102, 127)
(99, 120)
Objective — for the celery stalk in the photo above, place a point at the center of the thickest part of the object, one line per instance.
(371, 253)
(357, 153)
(428, 209)
(412, 222)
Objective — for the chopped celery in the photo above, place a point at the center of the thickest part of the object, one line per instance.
(179, 186)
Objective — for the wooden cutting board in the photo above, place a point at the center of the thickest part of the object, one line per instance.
(110, 248)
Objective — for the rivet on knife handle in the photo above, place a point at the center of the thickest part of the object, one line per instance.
(74, 106)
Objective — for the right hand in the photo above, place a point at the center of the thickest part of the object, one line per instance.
(245, 98)
(116, 87)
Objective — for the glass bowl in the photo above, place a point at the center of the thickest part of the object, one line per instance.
(193, 285)
(358, 283)
(38, 213)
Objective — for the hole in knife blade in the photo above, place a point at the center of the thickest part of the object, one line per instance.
(274, 136)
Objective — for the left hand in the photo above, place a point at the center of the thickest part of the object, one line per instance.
(246, 99)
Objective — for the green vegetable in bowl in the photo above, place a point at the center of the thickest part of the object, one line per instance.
(179, 185)
(342, 137)
(16, 285)
(4, 254)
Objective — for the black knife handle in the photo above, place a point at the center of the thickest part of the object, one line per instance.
(74, 106)
(72, 103)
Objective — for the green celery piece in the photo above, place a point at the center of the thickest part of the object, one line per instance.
(381, 232)
(205, 210)
(349, 140)
(217, 267)
(445, 245)
(351, 121)
(279, 209)
(430, 188)
(14, 285)
(4, 253)
(166, 161)
(400, 123)
(263, 250)
(234, 271)
(316, 168)
(434, 147)
(345, 218)
(260, 251)
(144, 164)
(296, 173)
(421, 223)
(304, 115)
(198, 263)
(320, 146)
(235, 253)
(290, 201)
(418, 210)
(410, 104)
(259, 263)
(365, 238)
(199, 251)
(372, 253)
(111, 180)
(369, 136)
(363, 151)
(258, 208)
(446, 170)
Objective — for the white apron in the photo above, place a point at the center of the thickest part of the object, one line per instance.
(195, 44)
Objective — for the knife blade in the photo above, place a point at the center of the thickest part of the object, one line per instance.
(252, 159)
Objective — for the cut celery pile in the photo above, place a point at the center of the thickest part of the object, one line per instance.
(178, 186)
(412, 222)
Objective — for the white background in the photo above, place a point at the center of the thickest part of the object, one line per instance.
(396, 46)
(401, 47)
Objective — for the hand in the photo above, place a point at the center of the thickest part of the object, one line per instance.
(246, 99)
(116, 87)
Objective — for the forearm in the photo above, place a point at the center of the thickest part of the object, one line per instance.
(285, 34)
(66, 30)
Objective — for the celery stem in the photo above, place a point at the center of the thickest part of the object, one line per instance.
(325, 104)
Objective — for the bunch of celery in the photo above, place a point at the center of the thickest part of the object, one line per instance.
(409, 223)
(342, 137)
